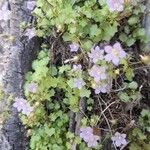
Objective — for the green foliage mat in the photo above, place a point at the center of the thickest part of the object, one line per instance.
(86, 25)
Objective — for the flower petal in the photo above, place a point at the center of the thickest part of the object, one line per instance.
(115, 61)
(108, 49)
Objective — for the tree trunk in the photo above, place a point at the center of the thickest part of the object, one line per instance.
(16, 55)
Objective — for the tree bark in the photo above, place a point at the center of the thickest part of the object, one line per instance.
(16, 55)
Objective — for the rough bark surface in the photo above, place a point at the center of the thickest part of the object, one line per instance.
(16, 55)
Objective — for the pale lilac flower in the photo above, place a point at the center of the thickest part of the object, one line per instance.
(5, 14)
(101, 87)
(87, 135)
(30, 33)
(32, 87)
(78, 83)
(19, 103)
(22, 106)
(98, 73)
(93, 141)
(77, 67)
(74, 47)
(114, 53)
(119, 139)
(31, 5)
(27, 109)
(96, 54)
(115, 5)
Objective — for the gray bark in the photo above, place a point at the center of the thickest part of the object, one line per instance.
(16, 55)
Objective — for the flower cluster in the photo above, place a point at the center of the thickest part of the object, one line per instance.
(32, 87)
(96, 54)
(79, 83)
(87, 135)
(101, 87)
(119, 139)
(114, 53)
(115, 5)
(22, 106)
(98, 73)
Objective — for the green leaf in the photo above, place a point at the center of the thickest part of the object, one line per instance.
(71, 83)
(51, 131)
(84, 121)
(109, 31)
(85, 93)
(55, 146)
(129, 74)
(102, 2)
(134, 146)
(53, 71)
(53, 82)
(130, 41)
(68, 145)
(66, 37)
(124, 97)
(70, 135)
(49, 14)
(142, 8)
(42, 54)
(139, 32)
(145, 112)
(127, 29)
(73, 2)
(38, 12)
(123, 37)
(94, 30)
(64, 68)
(87, 45)
(133, 20)
(72, 29)
(133, 85)
(39, 3)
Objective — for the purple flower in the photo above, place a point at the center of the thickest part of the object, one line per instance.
(119, 139)
(93, 141)
(87, 135)
(101, 87)
(32, 87)
(96, 54)
(115, 5)
(30, 33)
(27, 109)
(77, 67)
(31, 5)
(19, 103)
(74, 47)
(98, 73)
(78, 83)
(22, 106)
(114, 53)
